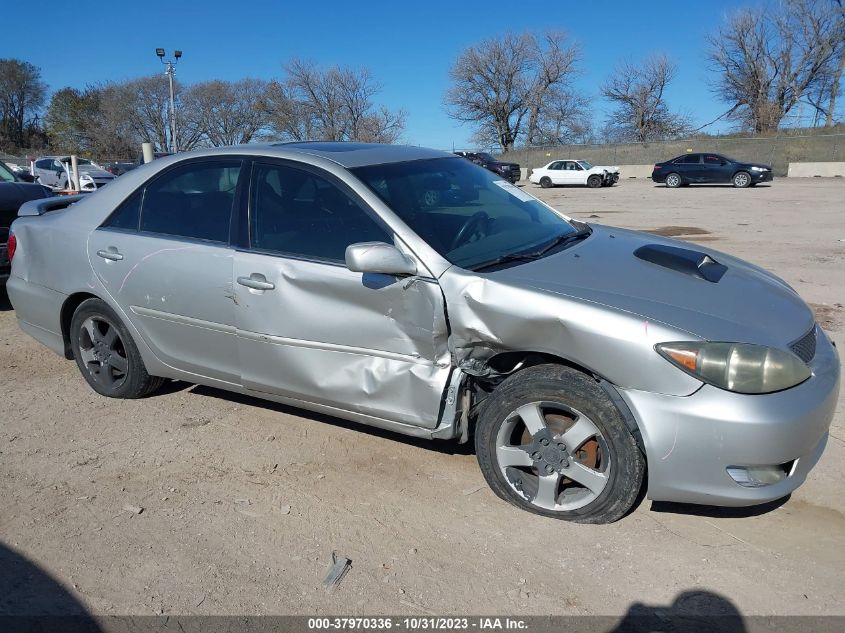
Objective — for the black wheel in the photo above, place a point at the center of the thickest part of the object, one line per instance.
(742, 179)
(594, 181)
(545, 182)
(673, 181)
(106, 354)
(549, 440)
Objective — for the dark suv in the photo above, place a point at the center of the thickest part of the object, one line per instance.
(13, 193)
(710, 168)
(508, 171)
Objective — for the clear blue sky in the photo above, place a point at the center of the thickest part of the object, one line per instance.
(409, 46)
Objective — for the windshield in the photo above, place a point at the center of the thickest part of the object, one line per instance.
(586, 164)
(467, 214)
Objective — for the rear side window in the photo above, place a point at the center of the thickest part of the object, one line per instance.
(690, 159)
(127, 214)
(194, 201)
(712, 160)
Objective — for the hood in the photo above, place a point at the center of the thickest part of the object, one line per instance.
(744, 303)
(499, 163)
(606, 167)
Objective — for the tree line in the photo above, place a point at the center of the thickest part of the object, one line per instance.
(514, 90)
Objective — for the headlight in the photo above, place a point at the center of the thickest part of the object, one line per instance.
(737, 367)
(755, 168)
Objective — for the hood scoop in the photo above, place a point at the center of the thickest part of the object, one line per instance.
(683, 260)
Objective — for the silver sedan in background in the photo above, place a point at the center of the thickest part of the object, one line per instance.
(414, 291)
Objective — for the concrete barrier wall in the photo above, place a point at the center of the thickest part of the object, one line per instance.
(635, 171)
(814, 170)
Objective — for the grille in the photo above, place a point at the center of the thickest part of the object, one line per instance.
(805, 347)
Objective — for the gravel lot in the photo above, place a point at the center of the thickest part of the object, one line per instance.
(244, 501)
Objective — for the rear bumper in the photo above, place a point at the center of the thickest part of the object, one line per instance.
(658, 176)
(691, 441)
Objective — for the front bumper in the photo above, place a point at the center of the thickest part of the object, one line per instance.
(761, 176)
(690, 441)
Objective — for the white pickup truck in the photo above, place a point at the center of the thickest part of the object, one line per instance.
(574, 172)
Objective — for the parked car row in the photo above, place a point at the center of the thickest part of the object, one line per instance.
(426, 295)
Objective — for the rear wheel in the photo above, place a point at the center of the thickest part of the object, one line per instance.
(594, 181)
(673, 181)
(549, 440)
(742, 179)
(106, 354)
(545, 182)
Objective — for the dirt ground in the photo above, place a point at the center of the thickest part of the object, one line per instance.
(244, 501)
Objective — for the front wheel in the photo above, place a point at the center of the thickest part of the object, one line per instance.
(106, 354)
(741, 179)
(594, 181)
(550, 440)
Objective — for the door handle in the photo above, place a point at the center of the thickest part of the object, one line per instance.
(110, 254)
(256, 281)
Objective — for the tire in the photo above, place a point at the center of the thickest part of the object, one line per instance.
(594, 181)
(673, 181)
(106, 355)
(560, 403)
(741, 179)
(545, 182)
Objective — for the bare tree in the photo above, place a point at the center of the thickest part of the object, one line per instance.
(334, 104)
(226, 113)
(639, 93)
(504, 85)
(22, 93)
(768, 59)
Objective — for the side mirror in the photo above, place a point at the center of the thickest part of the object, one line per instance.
(378, 257)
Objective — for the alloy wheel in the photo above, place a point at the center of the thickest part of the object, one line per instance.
(103, 353)
(552, 455)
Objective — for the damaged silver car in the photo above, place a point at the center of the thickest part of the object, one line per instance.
(411, 290)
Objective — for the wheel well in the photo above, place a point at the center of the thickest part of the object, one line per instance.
(508, 363)
(68, 308)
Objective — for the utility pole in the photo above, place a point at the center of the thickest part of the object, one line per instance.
(170, 71)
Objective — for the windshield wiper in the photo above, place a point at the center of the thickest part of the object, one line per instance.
(564, 239)
(528, 257)
(512, 257)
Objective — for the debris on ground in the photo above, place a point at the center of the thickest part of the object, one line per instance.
(133, 509)
(339, 568)
(469, 491)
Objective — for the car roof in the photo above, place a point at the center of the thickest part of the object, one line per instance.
(347, 154)
(352, 154)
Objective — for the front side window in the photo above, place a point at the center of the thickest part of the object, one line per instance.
(712, 160)
(297, 212)
(193, 201)
(467, 214)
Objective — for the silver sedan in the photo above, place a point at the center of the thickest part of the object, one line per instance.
(411, 290)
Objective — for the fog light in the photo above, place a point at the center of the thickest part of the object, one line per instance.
(757, 476)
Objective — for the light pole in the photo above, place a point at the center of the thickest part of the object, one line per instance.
(170, 71)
